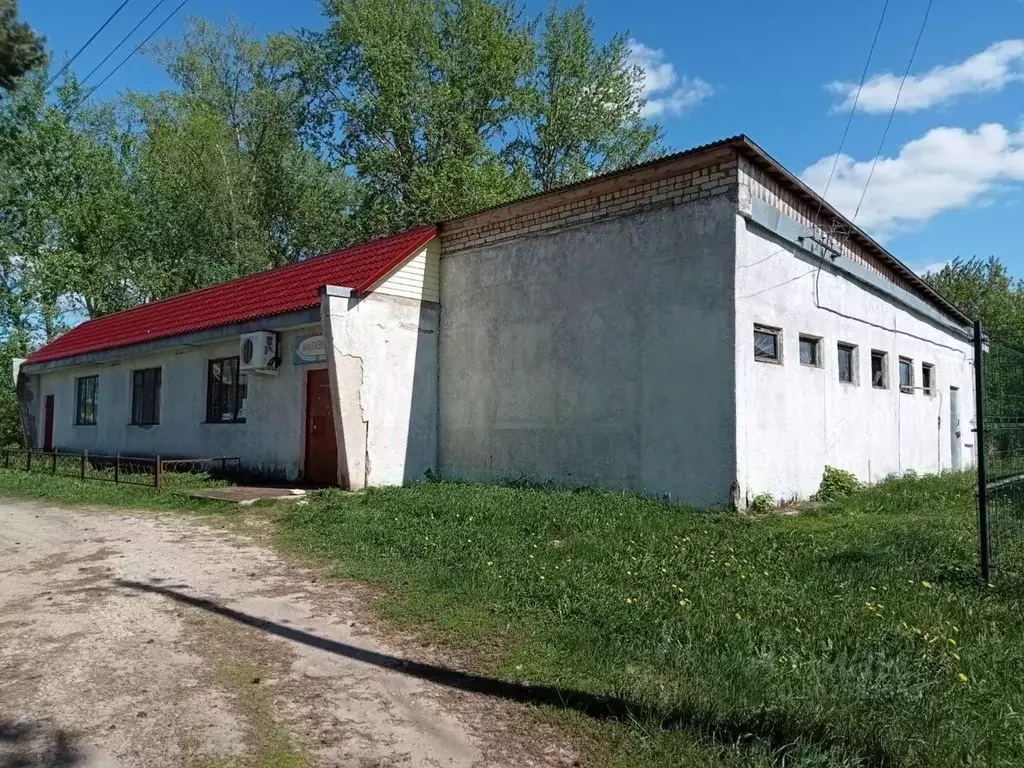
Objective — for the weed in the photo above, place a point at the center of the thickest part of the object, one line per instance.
(763, 504)
(836, 484)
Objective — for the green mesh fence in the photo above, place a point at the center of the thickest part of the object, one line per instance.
(1001, 469)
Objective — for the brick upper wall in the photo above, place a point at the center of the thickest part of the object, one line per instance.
(675, 182)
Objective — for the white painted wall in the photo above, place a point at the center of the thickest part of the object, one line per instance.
(792, 420)
(383, 361)
(271, 440)
(418, 278)
(595, 355)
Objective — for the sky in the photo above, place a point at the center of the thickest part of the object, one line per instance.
(948, 181)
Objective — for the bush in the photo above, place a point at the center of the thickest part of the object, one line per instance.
(837, 484)
(762, 504)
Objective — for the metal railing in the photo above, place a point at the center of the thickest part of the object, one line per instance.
(155, 472)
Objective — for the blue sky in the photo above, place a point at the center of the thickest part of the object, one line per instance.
(950, 178)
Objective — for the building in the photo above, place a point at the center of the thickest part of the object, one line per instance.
(703, 326)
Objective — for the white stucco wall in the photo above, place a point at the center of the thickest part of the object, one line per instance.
(595, 355)
(271, 440)
(792, 420)
(383, 363)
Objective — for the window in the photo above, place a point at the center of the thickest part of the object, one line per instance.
(226, 391)
(85, 400)
(928, 378)
(146, 397)
(847, 363)
(906, 375)
(767, 344)
(810, 351)
(879, 369)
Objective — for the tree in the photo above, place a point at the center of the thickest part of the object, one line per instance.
(581, 112)
(414, 97)
(984, 289)
(21, 49)
(227, 185)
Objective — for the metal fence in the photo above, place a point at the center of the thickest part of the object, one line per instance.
(155, 472)
(999, 393)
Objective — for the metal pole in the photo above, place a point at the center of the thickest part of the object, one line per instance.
(117, 467)
(159, 474)
(85, 458)
(28, 461)
(53, 469)
(979, 430)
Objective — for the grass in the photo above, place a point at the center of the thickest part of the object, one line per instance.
(856, 635)
(64, 489)
(853, 635)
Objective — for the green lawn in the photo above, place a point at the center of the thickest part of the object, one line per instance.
(854, 636)
(857, 635)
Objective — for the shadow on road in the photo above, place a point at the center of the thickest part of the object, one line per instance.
(37, 745)
(776, 733)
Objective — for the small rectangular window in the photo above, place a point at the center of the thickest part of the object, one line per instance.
(767, 344)
(810, 351)
(906, 375)
(86, 389)
(928, 378)
(847, 363)
(879, 369)
(226, 391)
(146, 396)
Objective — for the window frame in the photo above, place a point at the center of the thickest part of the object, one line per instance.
(929, 388)
(239, 389)
(885, 368)
(80, 401)
(772, 331)
(909, 362)
(138, 416)
(854, 379)
(816, 341)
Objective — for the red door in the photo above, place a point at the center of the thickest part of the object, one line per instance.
(48, 425)
(321, 444)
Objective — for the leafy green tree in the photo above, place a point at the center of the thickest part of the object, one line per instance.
(581, 108)
(414, 97)
(226, 183)
(21, 49)
(984, 289)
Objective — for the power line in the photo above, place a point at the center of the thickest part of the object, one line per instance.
(134, 51)
(895, 104)
(122, 42)
(85, 45)
(856, 99)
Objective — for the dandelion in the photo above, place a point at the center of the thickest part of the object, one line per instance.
(629, 601)
(682, 603)
(489, 563)
(739, 617)
(926, 585)
(963, 677)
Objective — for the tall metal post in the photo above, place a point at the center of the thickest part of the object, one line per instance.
(979, 440)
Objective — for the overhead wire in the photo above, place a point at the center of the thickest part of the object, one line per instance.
(134, 51)
(895, 104)
(85, 45)
(123, 40)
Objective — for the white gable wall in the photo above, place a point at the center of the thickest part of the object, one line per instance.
(418, 278)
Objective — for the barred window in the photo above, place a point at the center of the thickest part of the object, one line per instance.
(226, 391)
(847, 363)
(86, 389)
(146, 396)
(767, 344)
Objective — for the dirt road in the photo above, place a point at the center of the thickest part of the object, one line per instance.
(135, 640)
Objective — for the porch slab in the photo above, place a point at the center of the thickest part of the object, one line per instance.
(245, 495)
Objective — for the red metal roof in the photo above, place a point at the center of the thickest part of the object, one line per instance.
(274, 292)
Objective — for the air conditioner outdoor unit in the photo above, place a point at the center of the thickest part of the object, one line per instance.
(257, 353)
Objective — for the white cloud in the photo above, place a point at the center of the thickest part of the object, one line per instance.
(932, 267)
(945, 169)
(667, 93)
(991, 70)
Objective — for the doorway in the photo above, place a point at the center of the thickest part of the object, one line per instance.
(955, 455)
(321, 464)
(48, 424)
